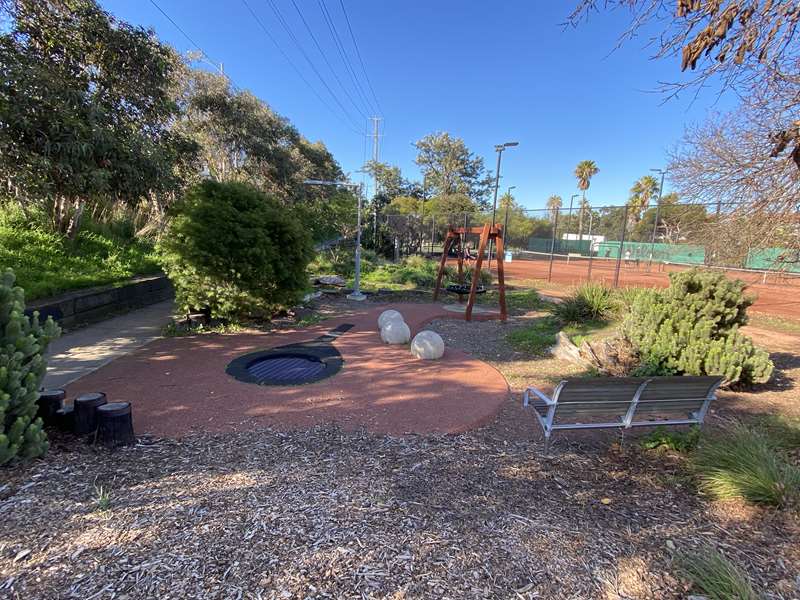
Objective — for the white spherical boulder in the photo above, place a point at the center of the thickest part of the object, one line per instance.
(395, 332)
(427, 345)
(389, 315)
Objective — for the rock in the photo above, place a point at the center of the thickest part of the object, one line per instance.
(388, 315)
(427, 345)
(330, 280)
(564, 349)
(396, 332)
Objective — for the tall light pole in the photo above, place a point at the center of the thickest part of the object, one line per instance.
(505, 220)
(662, 172)
(356, 293)
(569, 220)
(499, 148)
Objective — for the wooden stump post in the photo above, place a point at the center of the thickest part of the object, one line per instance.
(115, 425)
(49, 403)
(86, 412)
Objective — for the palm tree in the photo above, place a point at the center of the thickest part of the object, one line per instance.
(554, 203)
(584, 172)
(644, 190)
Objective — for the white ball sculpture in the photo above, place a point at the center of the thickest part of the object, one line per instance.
(427, 345)
(396, 332)
(388, 315)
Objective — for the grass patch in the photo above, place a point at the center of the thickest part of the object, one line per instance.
(662, 438)
(47, 264)
(309, 320)
(173, 329)
(579, 332)
(746, 464)
(535, 338)
(717, 577)
(782, 432)
(102, 498)
(773, 323)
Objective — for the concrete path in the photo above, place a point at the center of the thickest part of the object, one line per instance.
(84, 350)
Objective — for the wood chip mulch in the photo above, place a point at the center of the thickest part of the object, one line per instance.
(325, 514)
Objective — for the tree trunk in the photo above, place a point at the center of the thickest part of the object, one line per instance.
(75, 221)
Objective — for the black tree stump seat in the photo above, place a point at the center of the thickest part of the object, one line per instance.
(86, 412)
(49, 403)
(115, 425)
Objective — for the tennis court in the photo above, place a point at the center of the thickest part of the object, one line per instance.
(777, 293)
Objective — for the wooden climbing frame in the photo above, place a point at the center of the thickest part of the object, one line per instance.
(487, 233)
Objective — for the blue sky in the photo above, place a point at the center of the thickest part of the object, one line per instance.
(487, 72)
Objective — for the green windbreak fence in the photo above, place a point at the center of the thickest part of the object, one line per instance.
(536, 244)
(667, 253)
(776, 259)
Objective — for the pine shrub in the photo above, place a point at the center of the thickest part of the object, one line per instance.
(692, 328)
(23, 341)
(235, 251)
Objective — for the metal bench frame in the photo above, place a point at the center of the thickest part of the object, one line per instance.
(625, 422)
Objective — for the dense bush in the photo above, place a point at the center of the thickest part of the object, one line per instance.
(692, 328)
(23, 341)
(48, 263)
(235, 251)
(589, 302)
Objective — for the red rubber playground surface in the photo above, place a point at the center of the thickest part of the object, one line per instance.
(179, 385)
(779, 296)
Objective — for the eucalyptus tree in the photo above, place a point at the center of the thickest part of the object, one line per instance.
(86, 108)
(450, 168)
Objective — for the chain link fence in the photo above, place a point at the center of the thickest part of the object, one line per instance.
(617, 245)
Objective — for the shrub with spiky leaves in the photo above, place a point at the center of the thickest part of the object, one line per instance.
(23, 341)
(692, 328)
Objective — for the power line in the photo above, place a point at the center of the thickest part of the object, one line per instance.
(296, 69)
(325, 58)
(193, 43)
(358, 53)
(337, 40)
(311, 64)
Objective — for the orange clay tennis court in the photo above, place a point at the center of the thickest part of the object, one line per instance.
(776, 293)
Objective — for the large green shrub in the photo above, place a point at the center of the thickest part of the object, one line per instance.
(692, 328)
(235, 251)
(23, 341)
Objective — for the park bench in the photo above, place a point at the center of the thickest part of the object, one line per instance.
(622, 402)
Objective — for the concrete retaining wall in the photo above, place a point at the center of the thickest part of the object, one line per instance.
(95, 304)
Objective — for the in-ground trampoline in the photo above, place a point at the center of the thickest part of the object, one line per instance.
(329, 373)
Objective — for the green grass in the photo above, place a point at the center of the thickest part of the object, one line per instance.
(47, 264)
(172, 329)
(102, 498)
(309, 320)
(714, 575)
(662, 438)
(579, 332)
(783, 432)
(746, 464)
(773, 323)
(535, 338)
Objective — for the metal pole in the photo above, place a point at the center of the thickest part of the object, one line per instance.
(433, 229)
(494, 205)
(569, 219)
(621, 245)
(357, 295)
(552, 248)
(655, 223)
(591, 244)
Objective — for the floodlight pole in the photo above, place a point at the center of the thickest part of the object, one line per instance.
(499, 149)
(356, 293)
(505, 220)
(658, 215)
